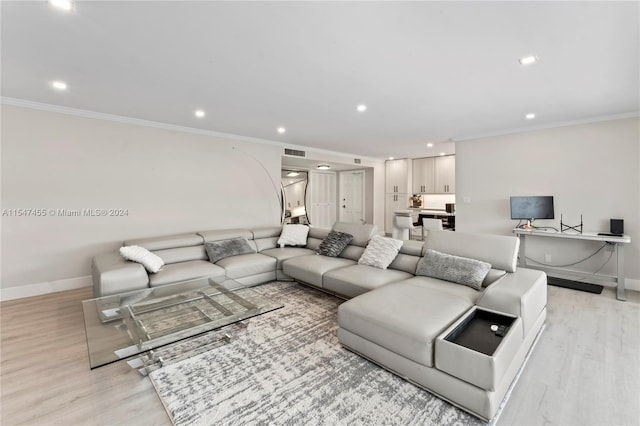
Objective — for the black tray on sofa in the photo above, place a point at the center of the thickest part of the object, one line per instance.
(475, 331)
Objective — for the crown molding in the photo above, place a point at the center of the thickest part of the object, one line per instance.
(548, 126)
(172, 127)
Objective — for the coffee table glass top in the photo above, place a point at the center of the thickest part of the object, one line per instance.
(127, 324)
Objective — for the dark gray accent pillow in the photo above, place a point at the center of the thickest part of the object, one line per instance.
(218, 250)
(460, 270)
(334, 243)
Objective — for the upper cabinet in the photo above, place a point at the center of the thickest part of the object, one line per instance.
(397, 176)
(423, 175)
(434, 175)
(445, 174)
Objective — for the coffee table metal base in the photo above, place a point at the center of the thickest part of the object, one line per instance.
(122, 326)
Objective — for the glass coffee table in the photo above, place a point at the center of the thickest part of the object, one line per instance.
(128, 324)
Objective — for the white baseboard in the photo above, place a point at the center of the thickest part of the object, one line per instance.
(631, 284)
(38, 289)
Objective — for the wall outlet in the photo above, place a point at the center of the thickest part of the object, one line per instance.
(547, 258)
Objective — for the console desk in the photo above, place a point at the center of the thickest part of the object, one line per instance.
(618, 243)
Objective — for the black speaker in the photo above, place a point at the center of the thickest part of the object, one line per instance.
(617, 226)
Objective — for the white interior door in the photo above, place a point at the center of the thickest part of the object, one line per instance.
(352, 196)
(321, 199)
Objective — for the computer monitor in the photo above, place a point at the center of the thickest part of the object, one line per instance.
(532, 207)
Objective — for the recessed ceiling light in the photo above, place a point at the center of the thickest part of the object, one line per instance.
(390, 158)
(60, 85)
(429, 145)
(281, 130)
(292, 174)
(62, 4)
(199, 113)
(361, 108)
(323, 167)
(530, 116)
(528, 60)
(442, 153)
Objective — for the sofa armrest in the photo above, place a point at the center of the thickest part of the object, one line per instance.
(522, 293)
(112, 274)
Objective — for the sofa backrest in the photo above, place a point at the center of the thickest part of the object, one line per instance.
(167, 242)
(266, 237)
(408, 257)
(362, 233)
(173, 248)
(501, 251)
(315, 237)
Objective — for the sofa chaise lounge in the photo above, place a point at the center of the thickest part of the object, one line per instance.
(406, 323)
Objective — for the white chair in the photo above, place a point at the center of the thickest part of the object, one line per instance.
(431, 224)
(402, 226)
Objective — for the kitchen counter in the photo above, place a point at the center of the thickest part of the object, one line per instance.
(431, 212)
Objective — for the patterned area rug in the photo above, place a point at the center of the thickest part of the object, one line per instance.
(287, 368)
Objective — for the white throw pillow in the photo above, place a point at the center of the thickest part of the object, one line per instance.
(293, 235)
(152, 262)
(380, 252)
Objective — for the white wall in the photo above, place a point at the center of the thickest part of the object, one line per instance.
(590, 169)
(168, 181)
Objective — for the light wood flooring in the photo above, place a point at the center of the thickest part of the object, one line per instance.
(585, 369)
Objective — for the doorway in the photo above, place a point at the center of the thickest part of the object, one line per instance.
(352, 203)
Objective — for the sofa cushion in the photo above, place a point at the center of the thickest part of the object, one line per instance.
(185, 271)
(151, 262)
(293, 235)
(245, 265)
(333, 245)
(380, 252)
(282, 254)
(426, 312)
(357, 279)
(310, 269)
(460, 270)
(461, 291)
(217, 250)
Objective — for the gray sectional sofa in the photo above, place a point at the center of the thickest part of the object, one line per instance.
(411, 325)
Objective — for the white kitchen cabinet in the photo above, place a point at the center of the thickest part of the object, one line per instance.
(393, 202)
(445, 174)
(397, 176)
(423, 175)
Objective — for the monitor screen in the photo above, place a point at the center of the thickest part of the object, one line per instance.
(540, 207)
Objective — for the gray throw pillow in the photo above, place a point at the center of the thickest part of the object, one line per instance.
(218, 250)
(460, 270)
(334, 243)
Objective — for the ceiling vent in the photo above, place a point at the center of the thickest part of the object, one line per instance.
(294, 152)
(357, 161)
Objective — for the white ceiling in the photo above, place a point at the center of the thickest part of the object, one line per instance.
(428, 71)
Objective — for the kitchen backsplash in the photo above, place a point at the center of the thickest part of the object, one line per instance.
(437, 201)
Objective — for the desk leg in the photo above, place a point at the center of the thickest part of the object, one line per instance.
(620, 255)
(522, 260)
